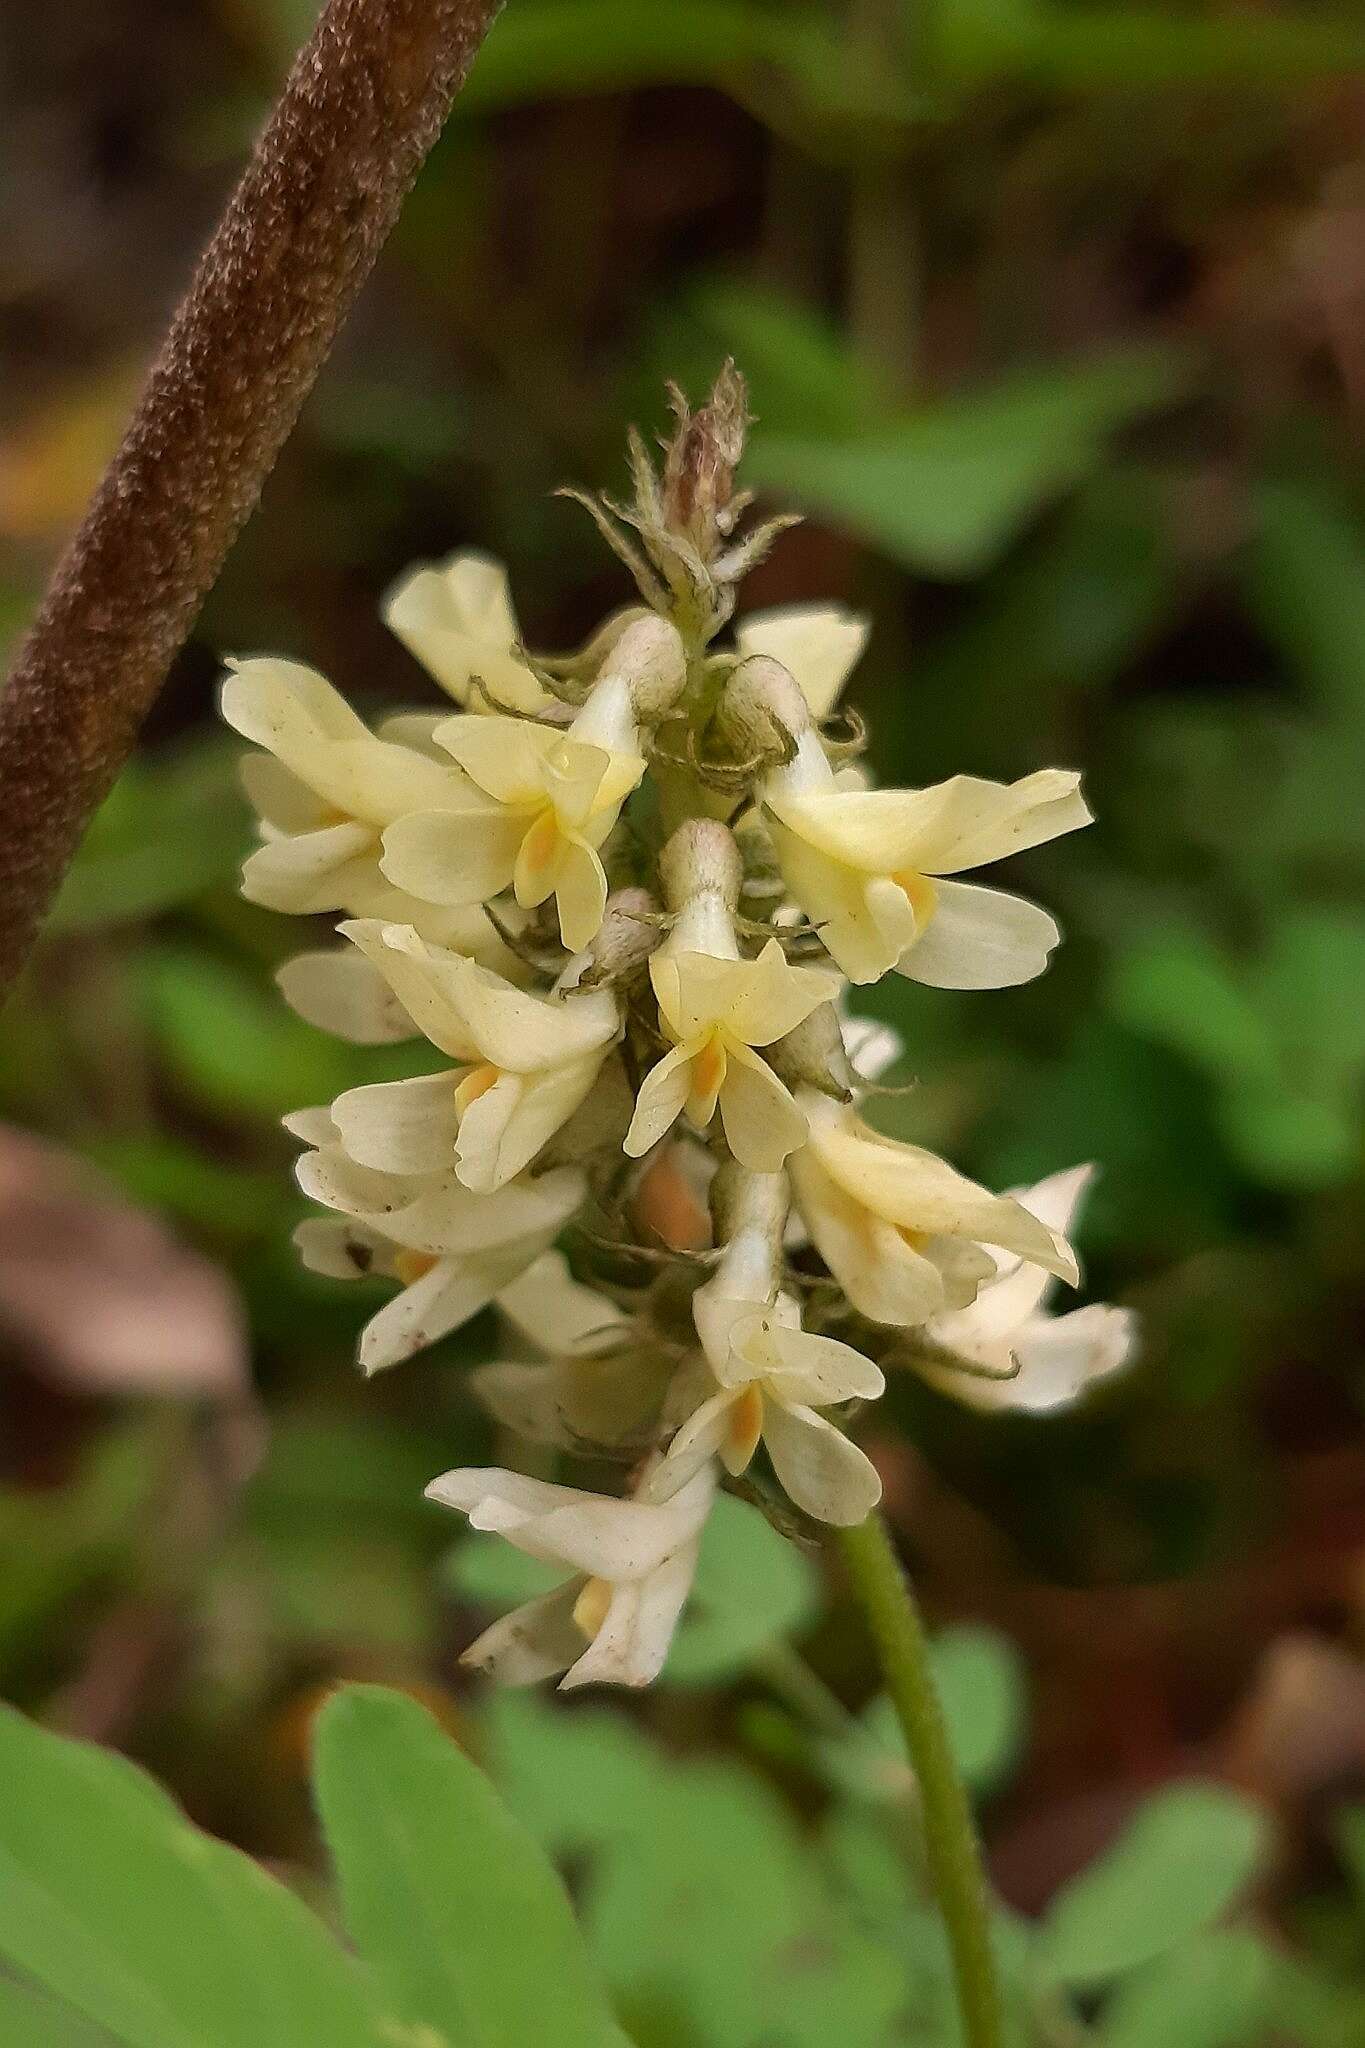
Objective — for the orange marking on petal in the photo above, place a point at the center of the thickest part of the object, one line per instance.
(410, 1266)
(538, 847)
(476, 1082)
(590, 1608)
(922, 895)
(708, 1068)
(744, 1427)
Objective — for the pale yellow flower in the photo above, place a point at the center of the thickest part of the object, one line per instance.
(598, 1379)
(539, 804)
(771, 1378)
(870, 868)
(718, 1009)
(526, 1063)
(632, 1560)
(1022, 1357)
(325, 788)
(902, 1232)
(819, 643)
(456, 617)
(337, 989)
(452, 1250)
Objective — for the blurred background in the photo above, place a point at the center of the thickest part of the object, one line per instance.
(1054, 320)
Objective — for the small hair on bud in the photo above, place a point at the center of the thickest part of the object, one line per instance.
(650, 659)
(628, 935)
(701, 858)
(762, 710)
(700, 461)
(814, 1055)
(755, 1203)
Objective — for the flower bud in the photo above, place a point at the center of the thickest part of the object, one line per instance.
(814, 1055)
(629, 934)
(748, 1205)
(648, 657)
(701, 859)
(763, 711)
(699, 464)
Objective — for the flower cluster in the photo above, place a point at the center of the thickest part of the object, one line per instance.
(620, 894)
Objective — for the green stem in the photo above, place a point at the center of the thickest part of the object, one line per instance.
(951, 1846)
(791, 1678)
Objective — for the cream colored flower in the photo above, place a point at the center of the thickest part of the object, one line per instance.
(527, 1063)
(456, 617)
(540, 804)
(632, 1561)
(717, 1008)
(901, 1231)
(337, 989)
(819, 643)
(869, 867)
(772, 1378)
(325, 788)
(597, 1381)
(454, 1251)
(718, 1011)
(1021, 1356)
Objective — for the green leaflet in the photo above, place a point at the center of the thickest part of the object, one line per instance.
(167, 1938)
(1183, 1860)
(467, 1926)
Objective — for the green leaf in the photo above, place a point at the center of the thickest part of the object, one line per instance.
(1306, 583)
(1283, 1036)
(1091, 48)
(1349, 1830)
(336, 1537)
(559, 50)
(563, 49)
(1215, 1992)
(707, 1914)
(58, 1546)
(980, 1678)
(361, 1472)
(29, 2019)
(980, 1681)
(803, 377)
(576, 1779)
(458, 1912)
(1183, 1860)
(179, 1178)
(1314, 2007)
(1174, 988)
(752, 1589)
(115, 1904)
(167, 831)
(233, 1043)
(489, 1572)
(947, 489)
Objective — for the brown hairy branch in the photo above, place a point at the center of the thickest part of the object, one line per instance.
(362, 106)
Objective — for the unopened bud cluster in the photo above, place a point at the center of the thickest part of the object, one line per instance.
(621, 894)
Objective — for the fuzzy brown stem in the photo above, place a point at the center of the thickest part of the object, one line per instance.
(362, 106)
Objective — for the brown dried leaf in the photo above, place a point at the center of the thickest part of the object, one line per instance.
(100, 1297)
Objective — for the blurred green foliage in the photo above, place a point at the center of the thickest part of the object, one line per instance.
(704, 1915)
